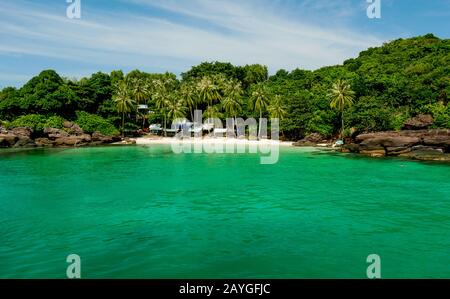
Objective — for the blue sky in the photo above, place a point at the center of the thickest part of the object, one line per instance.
(173, 35)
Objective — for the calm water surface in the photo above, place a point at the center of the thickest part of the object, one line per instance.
(144, 212)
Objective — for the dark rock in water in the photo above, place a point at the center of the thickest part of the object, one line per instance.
(351, 148)
(422, 121)
(373, 151)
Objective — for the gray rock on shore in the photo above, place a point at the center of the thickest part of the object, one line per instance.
(72, 135)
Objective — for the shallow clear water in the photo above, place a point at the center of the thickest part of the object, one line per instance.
(144, 212)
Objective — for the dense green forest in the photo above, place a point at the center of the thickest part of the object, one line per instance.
(390, 84)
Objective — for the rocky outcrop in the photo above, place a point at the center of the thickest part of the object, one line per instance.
(418, 144)
(420, 122)
(72, 135)
(17, 137)
(311, 140)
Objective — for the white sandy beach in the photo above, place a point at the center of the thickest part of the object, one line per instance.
(215, 141)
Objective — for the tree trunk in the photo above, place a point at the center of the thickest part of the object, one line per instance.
(123, 124)
(259, 129)
(165, 125)
(342, 125)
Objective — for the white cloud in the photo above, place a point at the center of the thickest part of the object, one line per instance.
(239, 32)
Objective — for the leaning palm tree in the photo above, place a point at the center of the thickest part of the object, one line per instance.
(124, 102)
(232, 104)
(260, 99)
(342, 96)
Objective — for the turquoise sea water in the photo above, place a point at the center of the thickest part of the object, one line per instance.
(144, 212)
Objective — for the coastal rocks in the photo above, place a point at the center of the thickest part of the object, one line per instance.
(17, 137)
(71, 136)
(311, 140)
(387, 139)
(420, 122)
(7, 140)
(417, 144)
(43, 142)
(72, 128)
(55, 133)
(72, 140)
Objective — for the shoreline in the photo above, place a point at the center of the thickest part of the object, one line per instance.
(215, 141)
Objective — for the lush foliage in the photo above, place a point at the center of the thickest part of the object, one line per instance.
(38, 122)
(91, 123)
(388, 85)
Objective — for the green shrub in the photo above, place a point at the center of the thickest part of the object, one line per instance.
(33, 121)
(92, 123)
(398, 120)
(55, 121)
(441, 114)
(38, 122)
(5, 124)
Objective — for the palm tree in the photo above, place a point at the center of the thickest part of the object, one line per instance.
(162, 97)
(342, 96)
(208, 91)
(212, 112)
(260, 100)
(189, 97)
(124, 102)
(140, 91)
(232, 104)
(276, 108)
(175, 108)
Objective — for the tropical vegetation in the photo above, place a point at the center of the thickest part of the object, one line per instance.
(378, 90)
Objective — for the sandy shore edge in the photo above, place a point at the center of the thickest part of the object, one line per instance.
(168, 140)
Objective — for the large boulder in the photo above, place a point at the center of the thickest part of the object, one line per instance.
(24, 141)
(25, 132)
(311, 140)
(387, 139)
(44, 142)
(100, 138)
(72, 128)
(423, 143)
(420, 122)
(53, 133)
(73, 140)
(8, 140)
